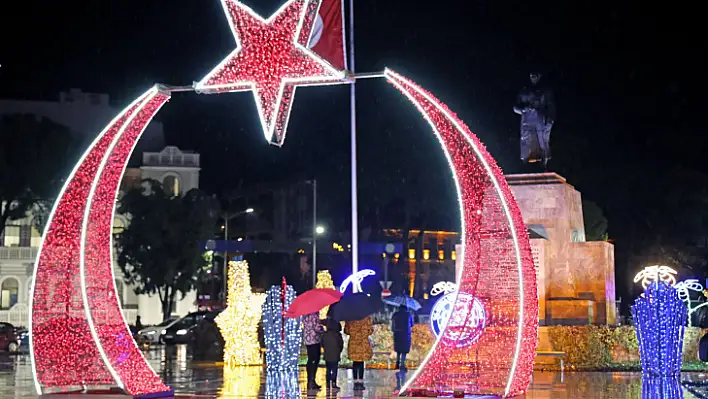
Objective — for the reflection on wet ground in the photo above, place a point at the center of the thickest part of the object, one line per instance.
(206, 380)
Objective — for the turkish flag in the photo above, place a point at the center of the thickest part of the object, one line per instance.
(327, 39)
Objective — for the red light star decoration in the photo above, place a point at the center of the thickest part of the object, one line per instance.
(271, 61)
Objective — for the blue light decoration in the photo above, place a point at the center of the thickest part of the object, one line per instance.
(661, 388)
(659, 318)
(282, 385)
(356, 279)
(283, 336)
(468, 323)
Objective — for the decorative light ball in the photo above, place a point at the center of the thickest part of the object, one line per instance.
(466, 323)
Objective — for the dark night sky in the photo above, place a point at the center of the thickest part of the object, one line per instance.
(629, 81)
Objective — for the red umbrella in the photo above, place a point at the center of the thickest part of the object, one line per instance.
(312, 301)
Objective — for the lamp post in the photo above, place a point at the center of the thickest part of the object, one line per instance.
(227, 217)
(319, 230)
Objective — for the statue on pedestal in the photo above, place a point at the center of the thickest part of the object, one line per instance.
(537, 109)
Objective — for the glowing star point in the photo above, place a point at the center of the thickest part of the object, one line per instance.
(271, 60)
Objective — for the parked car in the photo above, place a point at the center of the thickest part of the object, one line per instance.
(152, 334)
(9, 339)
(182, 331)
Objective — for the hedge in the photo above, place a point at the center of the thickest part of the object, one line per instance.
(586, 347)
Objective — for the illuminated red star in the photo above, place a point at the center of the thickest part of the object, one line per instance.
(271, 61)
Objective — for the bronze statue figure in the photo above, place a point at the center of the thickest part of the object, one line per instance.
(537, 109)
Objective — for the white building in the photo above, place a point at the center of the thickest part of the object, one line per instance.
(179, 172)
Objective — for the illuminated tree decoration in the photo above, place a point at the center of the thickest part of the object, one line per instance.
(239, 321)
(660, 317)
(241, 382)
(271, 60)
(78, 335)
(497, 269)
(324, 280)
(355, 279)
(656, 273)
(283, 336)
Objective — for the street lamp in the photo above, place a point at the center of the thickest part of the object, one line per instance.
(319, 230)
(227, 217)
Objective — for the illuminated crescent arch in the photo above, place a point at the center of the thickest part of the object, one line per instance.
(79, 337)
(497, 267)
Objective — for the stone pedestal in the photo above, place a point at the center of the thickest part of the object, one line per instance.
(575, 278)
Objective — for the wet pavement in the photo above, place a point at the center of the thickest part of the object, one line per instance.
(208, 380)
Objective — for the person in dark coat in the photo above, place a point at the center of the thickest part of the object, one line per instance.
(333, 345)
(402, 325)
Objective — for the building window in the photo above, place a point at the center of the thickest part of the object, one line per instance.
(12, 235)
(8, 293)
(2, 238)
(118, 226)
(171, 185)
(25, 235)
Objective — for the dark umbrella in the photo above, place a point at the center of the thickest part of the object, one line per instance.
(401, 300)
(354, 307)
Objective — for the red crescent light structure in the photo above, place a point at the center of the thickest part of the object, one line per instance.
(498, 269)
(78, 337)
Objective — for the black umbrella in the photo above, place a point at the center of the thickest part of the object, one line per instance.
(354, 307)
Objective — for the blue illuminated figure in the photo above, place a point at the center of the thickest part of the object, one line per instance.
(660, 319)
(283, 336)
(661, 388)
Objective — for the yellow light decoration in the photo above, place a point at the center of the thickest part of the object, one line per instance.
(241, 382)
(324, 280)
(239, 321)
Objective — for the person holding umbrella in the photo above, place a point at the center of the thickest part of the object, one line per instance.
(360, 349)
(308, 306)
(402, 324)
(333, 344)
(312, 335)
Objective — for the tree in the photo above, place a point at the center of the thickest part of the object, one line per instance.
(595, 222)
(158, 251)
(35, 156)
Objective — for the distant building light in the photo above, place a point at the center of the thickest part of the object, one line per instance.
(441, 254)
(426, 254)
(411, 254)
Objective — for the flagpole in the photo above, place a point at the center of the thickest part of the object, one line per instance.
(355, 215)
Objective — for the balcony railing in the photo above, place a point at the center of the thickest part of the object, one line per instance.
(18, 253)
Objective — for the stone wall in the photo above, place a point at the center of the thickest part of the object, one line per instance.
(576, 278)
